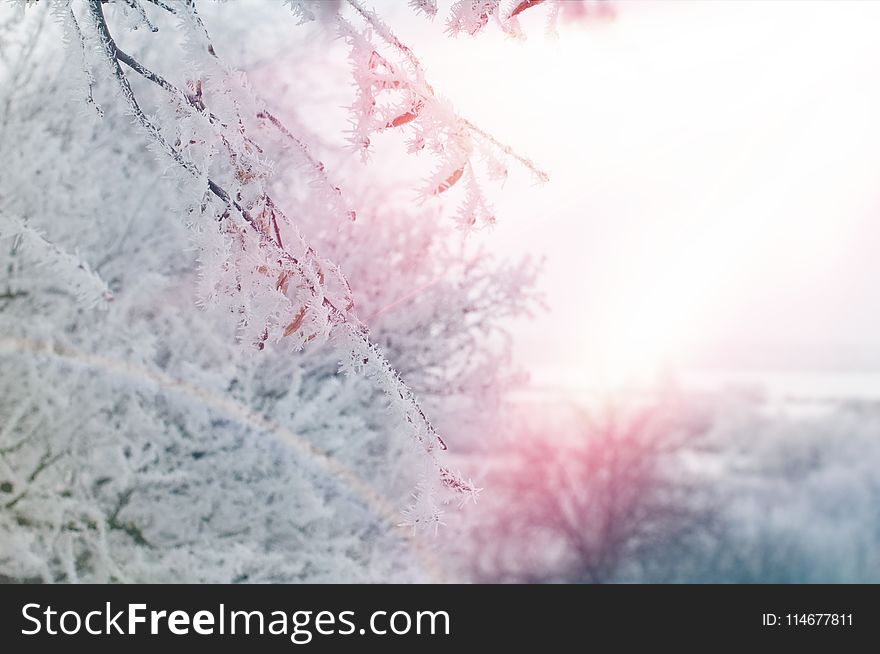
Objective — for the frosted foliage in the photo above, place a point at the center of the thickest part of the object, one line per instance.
(470, 17)
(394, 94)
(218, 363)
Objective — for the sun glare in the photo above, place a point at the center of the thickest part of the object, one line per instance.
(711, 166)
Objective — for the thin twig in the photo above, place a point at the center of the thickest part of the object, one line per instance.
(506, 149)
(138, 7)
(307, 153)
(164, 6)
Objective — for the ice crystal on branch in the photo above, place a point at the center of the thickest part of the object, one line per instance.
(394, 94)
(64, 268)
(472, 16)
(310, 10)
(427, 7)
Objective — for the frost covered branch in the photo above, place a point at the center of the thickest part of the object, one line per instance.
(456, 143)
(317, 310)
(67, 269)
(471, 16)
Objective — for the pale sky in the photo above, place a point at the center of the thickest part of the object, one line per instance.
(715, 171)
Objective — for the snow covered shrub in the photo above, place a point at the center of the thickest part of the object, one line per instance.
(724, 487)
(142, 439)
(591, 496)
(800, 495)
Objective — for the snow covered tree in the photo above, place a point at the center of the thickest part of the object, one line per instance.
(597, 496)
(143, 439)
